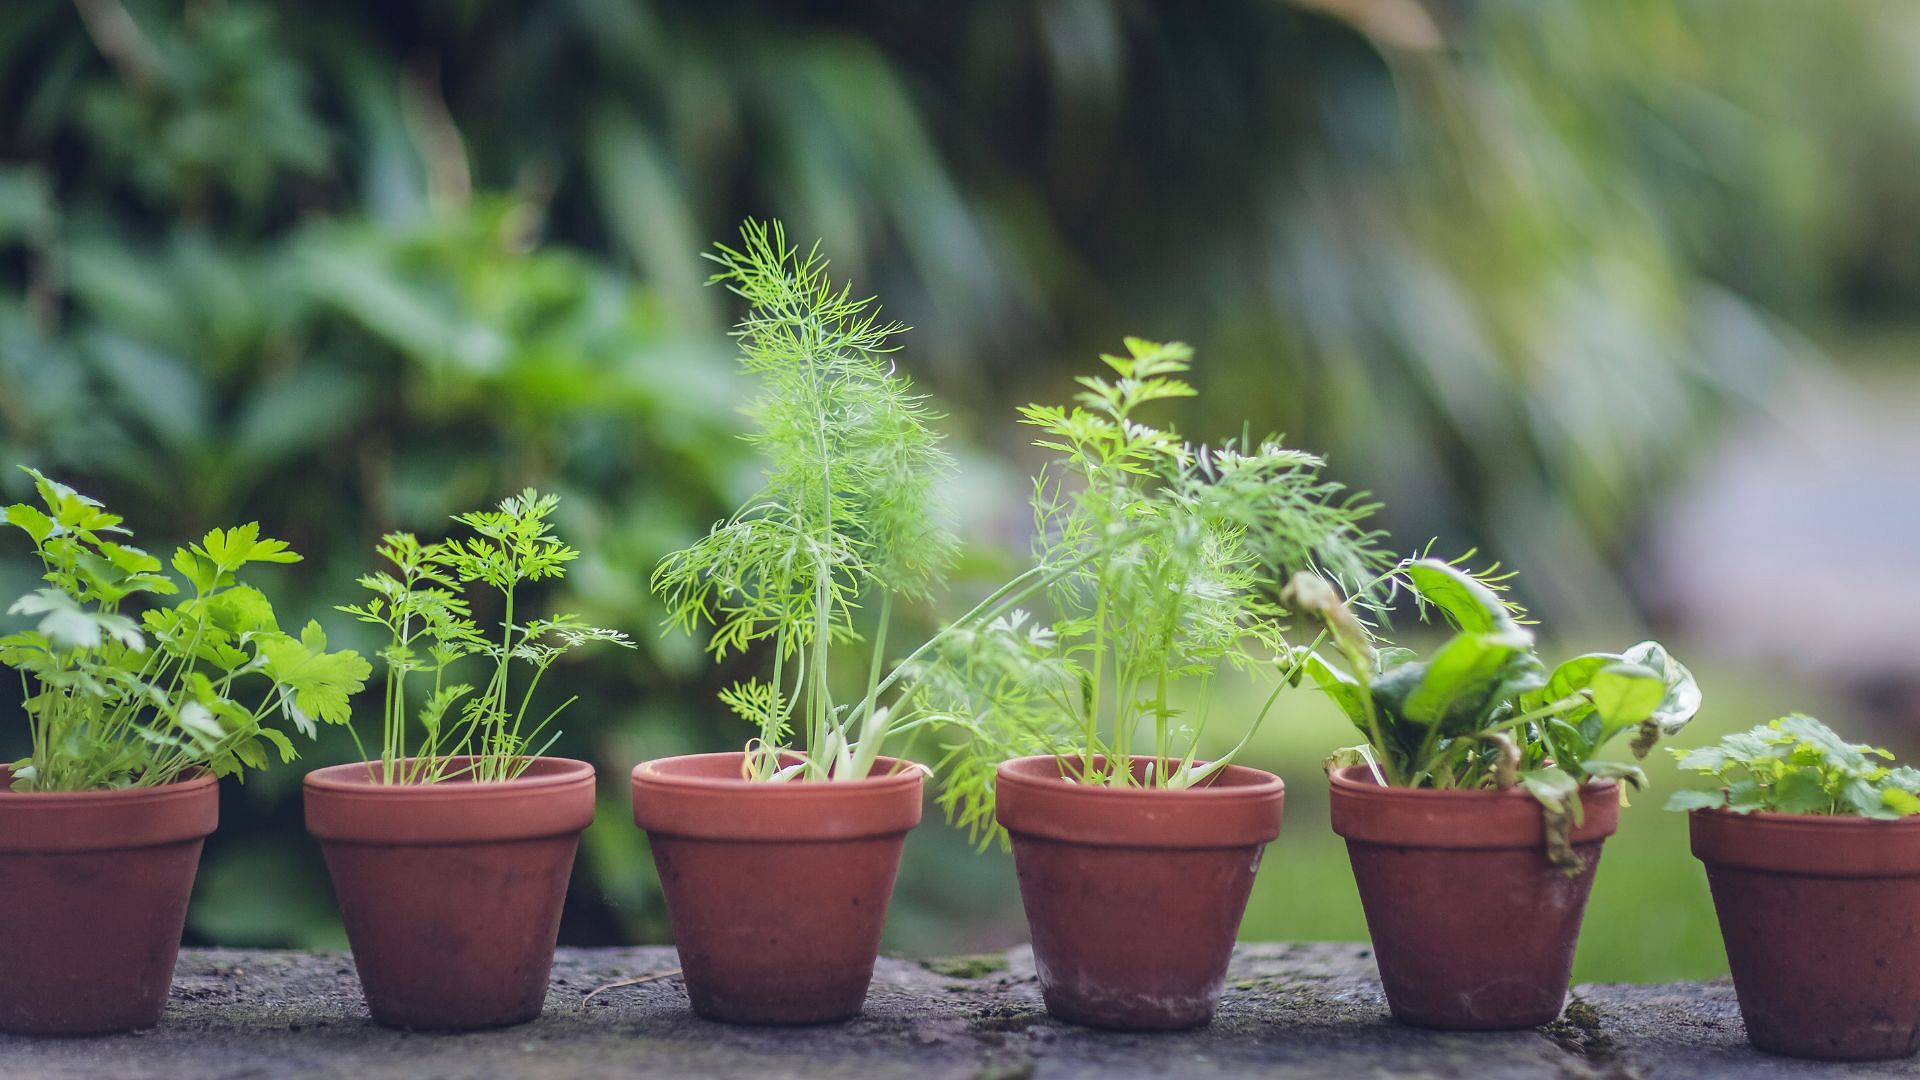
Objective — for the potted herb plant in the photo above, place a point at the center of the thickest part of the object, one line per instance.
(1812, 849)
(132, 720)
(1475, 811)
(1162, 562)
(450, 849)
(778, 861)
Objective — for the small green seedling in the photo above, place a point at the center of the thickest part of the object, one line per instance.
(116, 702)
(1797, 765)
(421, 603)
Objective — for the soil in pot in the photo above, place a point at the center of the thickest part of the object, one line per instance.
(451, 892)
(777, 892)
(1134, 895)
(1821, 917)
(93, 896)
(1473, 927)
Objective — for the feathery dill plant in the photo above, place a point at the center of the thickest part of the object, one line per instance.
(847, 526)
(421, 603)
(1161, 562)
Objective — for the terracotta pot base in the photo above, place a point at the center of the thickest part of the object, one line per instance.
(451, 893)
(777, 892)
(1473, 927)
(1134, 895)
(1821, 918)
(93, 896)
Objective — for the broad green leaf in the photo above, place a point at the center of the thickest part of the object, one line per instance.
(1461, 673)
(1340, 687)
(1558, 794)
(322, 684)
(199, 571)
(1550, 785)
(239, 610)
(200, 722)
(128, 558)
(1469, 605)
(1900, 801)
(1817, 736)
(1696, 799)
(67, 625)
(1746, 795)
(1682, 699)
(1706, 759)
(1625, 694)
(36, 524)
(1569, 678)
(281, 743)
(1616, 770)
(1799, 792)
(1385, 660)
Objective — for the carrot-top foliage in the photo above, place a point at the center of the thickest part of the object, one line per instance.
(118, 696)
(492, 733)
(1161, 563)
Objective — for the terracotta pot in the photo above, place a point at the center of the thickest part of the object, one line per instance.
(93, 895)
(1134, 895)
(777, 892)
(1473, 927)
(1821, 917)
(451, 892)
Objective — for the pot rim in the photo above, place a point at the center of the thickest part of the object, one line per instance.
(1034, 801)
(108, 819)
(1818, 821)
(1805, 845)
(1480, 820)
(344, 805)
(730, 809)
(196, 779)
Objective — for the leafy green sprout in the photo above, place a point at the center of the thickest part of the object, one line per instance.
(1798, 765)
(422, 605)
(1159, 561)
(110, 707)
(1483, 711)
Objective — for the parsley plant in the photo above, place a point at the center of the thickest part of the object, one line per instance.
(114, 703)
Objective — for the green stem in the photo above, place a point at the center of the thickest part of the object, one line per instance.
(868, 748)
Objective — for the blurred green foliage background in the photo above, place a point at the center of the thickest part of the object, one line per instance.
(346, 268)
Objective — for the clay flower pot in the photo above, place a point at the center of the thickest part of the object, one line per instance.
(1473, 927)
(777, 892)
(93, 895)
(1821, 917)
(1134, 895)
(451, 892)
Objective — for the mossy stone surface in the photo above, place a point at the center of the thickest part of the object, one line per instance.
(1288, 1011)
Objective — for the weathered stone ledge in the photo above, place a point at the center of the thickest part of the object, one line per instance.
(1289, 1010)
